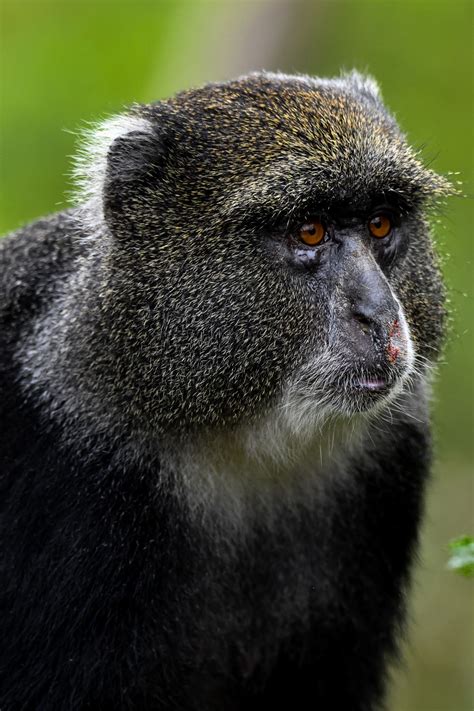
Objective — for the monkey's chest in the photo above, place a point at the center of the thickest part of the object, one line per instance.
(259, 604)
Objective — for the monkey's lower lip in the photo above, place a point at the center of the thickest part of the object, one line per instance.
(375, 385)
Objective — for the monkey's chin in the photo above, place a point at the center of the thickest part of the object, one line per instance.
(317, 396)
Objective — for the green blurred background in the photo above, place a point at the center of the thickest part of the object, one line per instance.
(66, 62)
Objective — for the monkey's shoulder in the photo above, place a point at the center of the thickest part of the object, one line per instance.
(33, 259)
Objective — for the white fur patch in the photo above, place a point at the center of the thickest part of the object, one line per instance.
(255, 472)
(90, 167)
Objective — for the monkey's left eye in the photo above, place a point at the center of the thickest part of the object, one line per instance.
(312, 233)
(380, 225)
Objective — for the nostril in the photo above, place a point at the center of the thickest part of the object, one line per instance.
(363, 319)
(365, 325)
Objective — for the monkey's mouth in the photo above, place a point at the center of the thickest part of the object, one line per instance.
(380, 373)
(363, 391)
(372, 385)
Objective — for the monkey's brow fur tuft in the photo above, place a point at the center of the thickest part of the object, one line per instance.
(214, 406)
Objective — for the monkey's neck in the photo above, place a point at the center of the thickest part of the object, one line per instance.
(252, 473)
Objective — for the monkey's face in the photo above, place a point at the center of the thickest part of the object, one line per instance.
(279, 235)
(363, 352)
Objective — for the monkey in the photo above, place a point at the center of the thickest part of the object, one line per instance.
(215, 374)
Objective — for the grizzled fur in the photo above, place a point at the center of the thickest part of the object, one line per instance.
(198, 512)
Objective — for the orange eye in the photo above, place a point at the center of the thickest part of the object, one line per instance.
(312, 233)
(380, 225)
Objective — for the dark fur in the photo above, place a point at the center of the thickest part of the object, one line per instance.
(116, 595)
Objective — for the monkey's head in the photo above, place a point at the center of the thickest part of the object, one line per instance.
(266, 246)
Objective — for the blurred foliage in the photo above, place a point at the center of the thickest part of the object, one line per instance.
(462, 556)
(65, 62)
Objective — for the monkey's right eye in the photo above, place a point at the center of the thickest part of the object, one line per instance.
(312, 233)
(380, 225)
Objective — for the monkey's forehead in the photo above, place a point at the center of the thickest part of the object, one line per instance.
(281, 111)
(280, 133)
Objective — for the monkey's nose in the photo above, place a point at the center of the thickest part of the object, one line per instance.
(377, 338)
(369, 296)
(373, 326)
(372, 308)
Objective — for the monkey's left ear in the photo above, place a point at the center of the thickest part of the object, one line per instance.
(118, 164)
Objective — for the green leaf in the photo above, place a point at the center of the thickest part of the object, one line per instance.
(462, 556)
